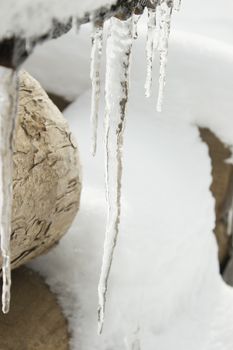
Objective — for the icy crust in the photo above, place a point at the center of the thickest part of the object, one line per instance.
(29, 18)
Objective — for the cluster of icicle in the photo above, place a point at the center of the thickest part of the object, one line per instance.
(118, 57)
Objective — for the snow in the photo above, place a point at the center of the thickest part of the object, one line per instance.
(165, 278)
(48, 62)
(34, 18)
(165, 290)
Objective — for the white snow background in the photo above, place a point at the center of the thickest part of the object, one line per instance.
(165, 289)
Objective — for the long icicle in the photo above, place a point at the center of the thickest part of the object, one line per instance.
(165, 9)
(8, 101)
(118, 55)
(96, 53)
(151, 46)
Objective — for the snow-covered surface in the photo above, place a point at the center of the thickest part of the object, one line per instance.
(165, 290)
(34, 18)
(211, 18)
(165, 279)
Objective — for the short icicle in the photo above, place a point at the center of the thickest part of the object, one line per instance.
(8, 102)
(118, 55)
(165, 12)
(151, 46)
(96, 53)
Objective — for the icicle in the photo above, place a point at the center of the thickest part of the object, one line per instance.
(119, 44)
(8, 98)
(165, 9)
(96, 53)
(151, 46)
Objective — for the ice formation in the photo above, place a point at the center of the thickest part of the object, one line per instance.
(173, 144)
(8, 92)
(151, 45)
(165, 11)
(159, 23)
(118, 52)
(96, 53)
(119, 43)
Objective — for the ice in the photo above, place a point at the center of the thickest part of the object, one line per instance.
(118, 54)
(151, 46)
(159, 23)
(96, 53)
(8, 97)
(165, 11)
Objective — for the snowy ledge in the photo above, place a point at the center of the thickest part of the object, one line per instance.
(25, 23)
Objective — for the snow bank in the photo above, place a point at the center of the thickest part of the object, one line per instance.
(165, 287)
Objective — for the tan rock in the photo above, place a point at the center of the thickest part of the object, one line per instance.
(222, 190)
(35, 320)
(47, 183)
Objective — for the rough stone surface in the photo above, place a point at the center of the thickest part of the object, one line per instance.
(47, 182)
(35, 320)
(222, 189)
